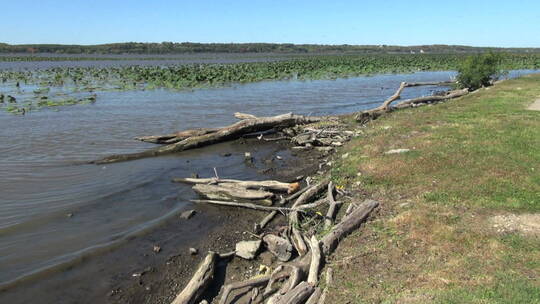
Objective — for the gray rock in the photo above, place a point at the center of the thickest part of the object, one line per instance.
(247, 249)
(279, 247)
(186, 215)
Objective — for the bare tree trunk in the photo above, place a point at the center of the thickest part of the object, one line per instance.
(231, 132)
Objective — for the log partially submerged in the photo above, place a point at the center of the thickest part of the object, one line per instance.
(176, 137)
(231, 132)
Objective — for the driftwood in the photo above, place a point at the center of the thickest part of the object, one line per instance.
(347, 225)
(233, 192)
(298, 294)
(313, 275)
(231, 132)
(428, 99)
(298, 240)
(249, 283)
(386, 105)
(198, 283)
(267, 219)
(332, 209)
(176, 137)
(243, 205)
(266, 185)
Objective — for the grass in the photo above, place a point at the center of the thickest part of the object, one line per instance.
(432, 240)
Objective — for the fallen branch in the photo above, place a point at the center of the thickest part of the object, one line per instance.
(257, 281)
(266, 185)
(313, 275)
(365, 116)
(231, 132)
(198, 283)
(427, 99)
(328, 221)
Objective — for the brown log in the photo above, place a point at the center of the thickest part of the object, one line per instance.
(270, 185)
(231, 132)
(198, 283)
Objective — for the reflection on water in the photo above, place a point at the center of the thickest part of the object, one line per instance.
(54, 208)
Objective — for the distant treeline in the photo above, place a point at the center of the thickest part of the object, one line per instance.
(286, 48)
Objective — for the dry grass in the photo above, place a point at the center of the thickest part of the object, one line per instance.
(432, 240)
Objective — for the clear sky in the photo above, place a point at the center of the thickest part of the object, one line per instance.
(406, 22)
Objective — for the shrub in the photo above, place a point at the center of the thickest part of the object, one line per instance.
(479, 70)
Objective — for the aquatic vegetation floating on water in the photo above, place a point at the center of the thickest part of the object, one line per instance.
(189, 76)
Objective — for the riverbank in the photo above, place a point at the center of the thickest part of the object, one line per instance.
(458, 221)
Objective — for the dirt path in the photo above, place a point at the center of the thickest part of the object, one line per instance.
(535, 106)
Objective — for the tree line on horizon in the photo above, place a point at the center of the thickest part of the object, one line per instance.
(282, 48)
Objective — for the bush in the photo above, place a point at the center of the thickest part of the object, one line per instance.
(479, 70)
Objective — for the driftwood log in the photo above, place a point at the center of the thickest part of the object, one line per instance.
(368, 115)
(254, 185)
(231, 132)
(198, 283)
(233, 192)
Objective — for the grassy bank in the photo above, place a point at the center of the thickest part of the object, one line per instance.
(454, 208)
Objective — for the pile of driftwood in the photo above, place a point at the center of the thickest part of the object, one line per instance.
(300, 245)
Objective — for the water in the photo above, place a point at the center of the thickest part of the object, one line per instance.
(55, 209)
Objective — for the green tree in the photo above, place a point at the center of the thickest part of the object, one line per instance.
(479, 70)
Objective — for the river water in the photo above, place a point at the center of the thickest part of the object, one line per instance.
(55, 209)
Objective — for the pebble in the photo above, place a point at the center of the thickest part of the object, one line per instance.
(157, 249)
(193, 251)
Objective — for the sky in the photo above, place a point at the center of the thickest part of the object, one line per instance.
(407, 22)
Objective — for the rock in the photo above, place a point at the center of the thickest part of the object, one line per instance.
(248, 158)
(226, 154)
(186, 215)
(397, 151)
(156, 249)
(193, 251)
(337, 144)
(267, 258)
(247, 249)
(279, 247)
(279, 157)
(344, 156)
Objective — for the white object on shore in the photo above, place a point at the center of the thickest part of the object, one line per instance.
(397, 151)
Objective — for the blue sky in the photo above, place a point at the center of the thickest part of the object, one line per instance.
(406, 22)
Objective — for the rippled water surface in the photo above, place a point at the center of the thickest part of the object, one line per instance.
(54, 207)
